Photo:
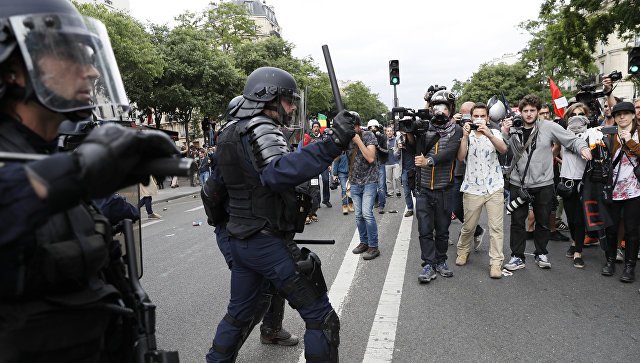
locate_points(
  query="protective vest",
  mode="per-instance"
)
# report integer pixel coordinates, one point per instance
(438, 177)
(253, 206)
(63, 257)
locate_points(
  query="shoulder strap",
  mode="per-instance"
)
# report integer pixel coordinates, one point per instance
(353, 157)
(517, 157)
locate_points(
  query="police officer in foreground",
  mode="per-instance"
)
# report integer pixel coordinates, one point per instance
(265, 212)
(55, 302)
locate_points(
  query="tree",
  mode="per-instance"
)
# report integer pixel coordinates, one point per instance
(360, 99)
(570, 30)
(197, 76)
(138, 59)
(229, 24)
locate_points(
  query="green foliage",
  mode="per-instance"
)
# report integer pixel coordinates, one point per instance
(320, 97)
(229, 25)
(137, 57)
(360, 99)
(570, 30)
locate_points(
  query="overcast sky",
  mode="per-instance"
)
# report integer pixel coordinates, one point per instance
(435, 41)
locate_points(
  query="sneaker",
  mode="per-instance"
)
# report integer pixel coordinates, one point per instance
(570, 251)
(444, 270)
(557, 236)
(280, 337)
(372, 252)
(360, 248)
(495, 272)
(427, 274)
(590, 241)
(477, 240)
(380, 210)
(314, 218)
(619, 255)
(350, 206)
(561, 226)
(578, 262)
(154, 215)
(461, 260)
(398, 194)
(515, 263)
(345, 211)
(328, 204)
(389, 195)
(543, 261)
(307, 221)
(409, 213)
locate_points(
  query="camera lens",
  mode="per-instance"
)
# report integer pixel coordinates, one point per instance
(515, 204)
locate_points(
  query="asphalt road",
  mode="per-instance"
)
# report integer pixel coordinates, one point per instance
(559, 314)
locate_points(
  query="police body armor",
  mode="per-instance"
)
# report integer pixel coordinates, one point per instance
(252, 206)
(52, 292)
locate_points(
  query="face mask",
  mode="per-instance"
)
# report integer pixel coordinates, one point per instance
(479, 121)
(577, 124)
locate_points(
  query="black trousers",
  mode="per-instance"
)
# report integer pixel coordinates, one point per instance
(575, 218)
(542, 204)
(629, 208)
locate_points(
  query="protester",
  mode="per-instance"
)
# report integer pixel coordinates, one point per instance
(626, 191)
(482, 186)
(317, 136)
(340, 168)
(382, 156)
(408, 164)
(392, 166)
(531, 177)
(147, 192)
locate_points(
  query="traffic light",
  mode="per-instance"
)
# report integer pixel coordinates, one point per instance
(394, 72)
(634, 60)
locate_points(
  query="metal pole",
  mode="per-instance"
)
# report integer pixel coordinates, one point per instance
(395, 96)
(544, 80)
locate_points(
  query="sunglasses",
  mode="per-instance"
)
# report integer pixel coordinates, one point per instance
(577, 114)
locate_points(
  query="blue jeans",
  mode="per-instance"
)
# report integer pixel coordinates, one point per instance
(407, 192)
(146, 201)
(343, 185)
(382, 186)
(256, 260)
(433, 214)
(363, 198)
(325, 185)
(203, 177)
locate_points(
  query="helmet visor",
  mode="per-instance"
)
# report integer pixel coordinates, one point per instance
(70, 63)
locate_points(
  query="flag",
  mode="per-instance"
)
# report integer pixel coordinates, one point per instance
(556, 95)
(149, 117)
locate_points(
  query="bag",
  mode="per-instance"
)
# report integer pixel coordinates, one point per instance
(348, 188)
(506, 173)
(565, 188)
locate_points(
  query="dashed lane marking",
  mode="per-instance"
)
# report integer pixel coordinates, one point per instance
(383, 331)
(150, 223)
(194, 209)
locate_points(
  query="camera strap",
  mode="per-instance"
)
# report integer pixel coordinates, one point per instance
(516, 158)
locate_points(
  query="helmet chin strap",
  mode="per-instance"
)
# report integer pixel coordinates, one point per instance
(283, 118)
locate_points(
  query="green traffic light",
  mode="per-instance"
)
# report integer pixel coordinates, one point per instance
(395, 80)
(633, 69)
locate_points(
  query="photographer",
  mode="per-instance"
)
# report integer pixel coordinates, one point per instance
(482, 185)
(435, 150)
(408, 164)
(531, 176)
(382, 156)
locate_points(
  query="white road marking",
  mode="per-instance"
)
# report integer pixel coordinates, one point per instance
(150, 223)
(383, 332)
(343, 281)
(196, 208)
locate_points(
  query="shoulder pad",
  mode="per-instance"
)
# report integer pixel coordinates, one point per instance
(265, 140)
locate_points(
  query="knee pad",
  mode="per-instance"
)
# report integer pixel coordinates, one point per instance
(330, 327)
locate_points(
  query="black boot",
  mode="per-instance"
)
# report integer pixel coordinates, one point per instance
(628, 273)
(271, 331)
(609, 267)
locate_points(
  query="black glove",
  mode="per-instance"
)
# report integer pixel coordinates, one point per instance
(106, 161)
(343, 129)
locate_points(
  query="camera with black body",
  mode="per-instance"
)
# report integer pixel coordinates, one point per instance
(517, 121)
(589, 96)
(431, 90)
(610, 130)
(522, 196)
(334, 184)
(410, 120)
(615, 76)
(466, 118)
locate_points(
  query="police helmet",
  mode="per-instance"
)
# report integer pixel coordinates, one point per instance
(55, 43)
(497, 110)
(233, 107)
(444, 97)
(265, 84)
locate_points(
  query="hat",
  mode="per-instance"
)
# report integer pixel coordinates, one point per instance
(372, 123)
(306, 140)
(316, 122)
(622, 106)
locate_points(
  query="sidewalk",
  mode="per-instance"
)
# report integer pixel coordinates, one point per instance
(169, 193)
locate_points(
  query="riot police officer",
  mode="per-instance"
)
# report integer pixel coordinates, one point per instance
(55, 302)
(265, 212)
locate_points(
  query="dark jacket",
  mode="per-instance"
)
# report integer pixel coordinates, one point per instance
(440, 175)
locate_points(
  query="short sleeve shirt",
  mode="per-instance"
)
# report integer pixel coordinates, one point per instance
(627, 185)
(484, 174)
(364, 172)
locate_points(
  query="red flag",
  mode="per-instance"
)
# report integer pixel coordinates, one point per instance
(149, 117)
(555, 94)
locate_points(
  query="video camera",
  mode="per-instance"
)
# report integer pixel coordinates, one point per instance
(410, 120)
(589, 96)
(431, 90)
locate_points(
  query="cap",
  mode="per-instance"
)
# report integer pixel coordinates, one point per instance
(622, 106)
